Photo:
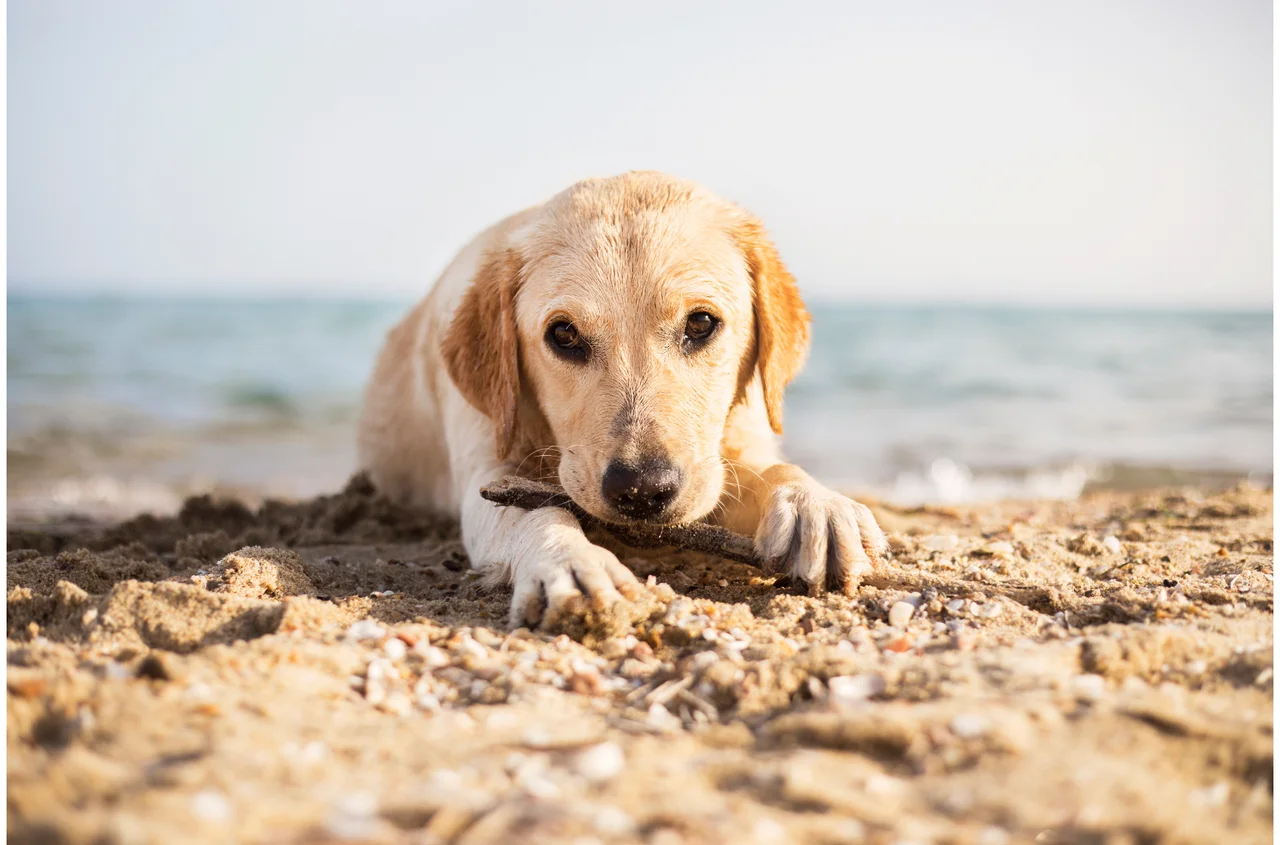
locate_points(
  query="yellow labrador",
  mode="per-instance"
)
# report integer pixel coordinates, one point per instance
(631, 337)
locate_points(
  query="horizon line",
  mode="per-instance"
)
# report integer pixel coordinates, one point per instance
(23, 292)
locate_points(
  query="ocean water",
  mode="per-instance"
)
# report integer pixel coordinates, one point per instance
(117, 405)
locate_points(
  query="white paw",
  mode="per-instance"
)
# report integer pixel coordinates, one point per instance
(817, 536)
(567, 579)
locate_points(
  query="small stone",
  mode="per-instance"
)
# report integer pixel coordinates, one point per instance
(993, 836)
(397, 704)
(610, 821)
(395, 648)
(613, 648)
(850, 689)
(353, 816)
(365, 629)
(433, 657)
(1089, 687)
(1211, 796)
(1111, 544)
(661, 717)
(767, 830)
(470, 648)
(633, 669)
(940, 542)
(539, 786)
(900, 614)
(211, 806)
(1002, 548)
(969, 725)
(955, 606)
(992, 609)
(600, 763)
(703, 660)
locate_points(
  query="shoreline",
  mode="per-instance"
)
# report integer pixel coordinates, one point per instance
(1098, 668)
(36, 499)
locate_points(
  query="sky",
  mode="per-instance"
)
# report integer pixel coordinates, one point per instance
(1090, 152)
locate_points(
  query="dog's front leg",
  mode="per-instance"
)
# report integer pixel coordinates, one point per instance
(554, 569)
(806, 530)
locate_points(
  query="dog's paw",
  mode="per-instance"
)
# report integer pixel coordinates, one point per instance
(570, 582)
(820, 537)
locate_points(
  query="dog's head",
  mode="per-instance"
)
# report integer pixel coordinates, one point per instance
(621, 323)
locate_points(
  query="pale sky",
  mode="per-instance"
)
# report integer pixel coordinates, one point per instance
(1084, 151)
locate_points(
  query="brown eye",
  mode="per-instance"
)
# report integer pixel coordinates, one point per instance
(564, 339)
(698, 329)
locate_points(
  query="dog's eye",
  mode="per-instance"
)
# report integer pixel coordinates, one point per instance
(698, 329)
(564, 338)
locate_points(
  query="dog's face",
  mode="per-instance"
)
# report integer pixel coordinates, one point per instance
(632, 314)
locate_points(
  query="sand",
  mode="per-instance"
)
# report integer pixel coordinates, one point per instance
(1092, 672)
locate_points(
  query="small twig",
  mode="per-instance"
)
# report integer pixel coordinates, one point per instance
(695, 537)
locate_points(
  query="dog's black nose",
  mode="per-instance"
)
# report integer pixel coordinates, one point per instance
(642, 492)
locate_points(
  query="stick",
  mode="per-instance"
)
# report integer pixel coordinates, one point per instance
(516, 492)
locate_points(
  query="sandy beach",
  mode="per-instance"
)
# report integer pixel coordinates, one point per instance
(1098, 671)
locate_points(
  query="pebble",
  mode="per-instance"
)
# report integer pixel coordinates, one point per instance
(198, 691)
(993, 836)
(611, 821)
(539, 786)
(397, 703)
(969, 725)
(353, 816)
(900, 614)
(1089, 687)
(766, 829)
(1111, 544)
(850, 689)
(940, 542)
(366, 629)
(210, 805)
(600, 763)
(1211, 796)
(433, 657)
(955, 606)
(661, 717)
(1001, 548)
(991, 610)
(395, 648)
(471, 648)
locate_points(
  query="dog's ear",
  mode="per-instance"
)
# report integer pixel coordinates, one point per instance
(782, 323)
(480, 347)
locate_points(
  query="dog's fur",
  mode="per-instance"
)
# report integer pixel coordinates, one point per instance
(469, 388)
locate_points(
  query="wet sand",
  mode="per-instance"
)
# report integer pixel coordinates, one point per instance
(1089, 672)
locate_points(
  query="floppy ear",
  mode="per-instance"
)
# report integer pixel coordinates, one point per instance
(782, 323)
(480, 347)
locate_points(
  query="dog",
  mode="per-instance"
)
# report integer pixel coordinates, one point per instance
(632, 338)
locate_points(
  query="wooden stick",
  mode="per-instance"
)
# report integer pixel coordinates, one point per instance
(516, 492)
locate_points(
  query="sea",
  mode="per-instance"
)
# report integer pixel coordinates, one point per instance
(119, 405)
